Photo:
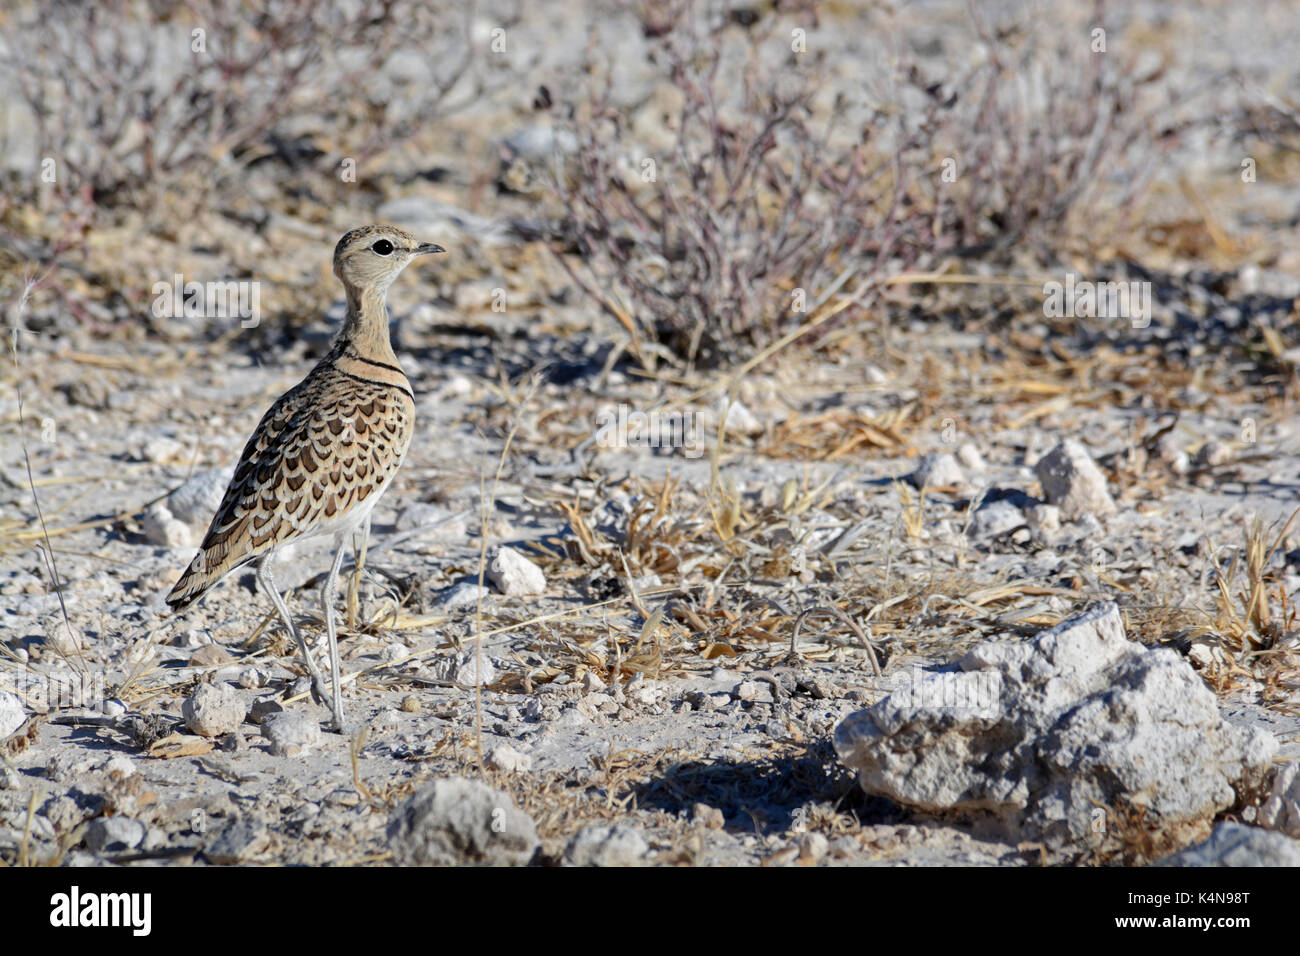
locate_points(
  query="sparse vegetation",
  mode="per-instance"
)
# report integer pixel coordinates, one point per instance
(767, 199)
(130, 104)
(829, 246)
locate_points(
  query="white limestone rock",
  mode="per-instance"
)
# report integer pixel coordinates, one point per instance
(606, 846)
(1072, 481)
(1233, 844)
(513, 574)
(214, 710)
(1038, 735)
(196, 501)
(12, 713)
(292, 733)
(939, 470)
(457, 821)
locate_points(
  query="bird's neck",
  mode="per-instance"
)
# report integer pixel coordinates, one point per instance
(366, 326)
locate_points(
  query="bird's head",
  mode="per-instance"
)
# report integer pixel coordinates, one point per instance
(370, 258)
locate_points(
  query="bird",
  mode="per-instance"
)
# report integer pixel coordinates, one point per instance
(324, 453)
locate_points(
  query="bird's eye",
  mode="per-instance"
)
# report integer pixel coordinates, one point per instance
(383, 247)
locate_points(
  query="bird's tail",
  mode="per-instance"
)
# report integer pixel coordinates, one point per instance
(209, 566)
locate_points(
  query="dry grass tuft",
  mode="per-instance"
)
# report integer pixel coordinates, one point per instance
(1253, 634)
(1133, 836)
(1254, 610)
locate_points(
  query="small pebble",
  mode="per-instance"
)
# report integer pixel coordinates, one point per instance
(291, 733)
(813, 848)
(161, 528)
(969, 457)
(1072, 481)
(120, 766)
(463, 596)
(1212, 454)
(515, 575)
(214, 710)
(710, 817)
(210, 655)
(161, 450)
(938, 470)
(506, 758)
(606, 846)
(114, 834)
(262, 708)
(237, 841)
(454, 820)
(1044, 519)
(463, 668)
(12, 714)
(195, 501)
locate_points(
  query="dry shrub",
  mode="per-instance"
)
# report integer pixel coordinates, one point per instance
(776, 190)
(724, 238)
(154, 116)
(129, 94)
(1046, 130)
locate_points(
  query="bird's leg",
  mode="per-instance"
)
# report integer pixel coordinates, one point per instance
(358, 565)
(327, 598)
(318, 691)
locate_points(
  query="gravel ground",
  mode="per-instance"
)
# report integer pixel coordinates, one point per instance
(654, 682)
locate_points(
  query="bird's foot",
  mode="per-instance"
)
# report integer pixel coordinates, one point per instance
(336, 725)
(320, 694)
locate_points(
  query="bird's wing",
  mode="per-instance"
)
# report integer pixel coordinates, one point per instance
(323, 448)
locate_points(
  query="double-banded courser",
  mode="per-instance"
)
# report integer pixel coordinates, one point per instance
(325, 452)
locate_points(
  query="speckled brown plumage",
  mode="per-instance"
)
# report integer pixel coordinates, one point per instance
(326, 450)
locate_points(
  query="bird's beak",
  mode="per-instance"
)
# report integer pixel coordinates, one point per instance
(424, 248)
